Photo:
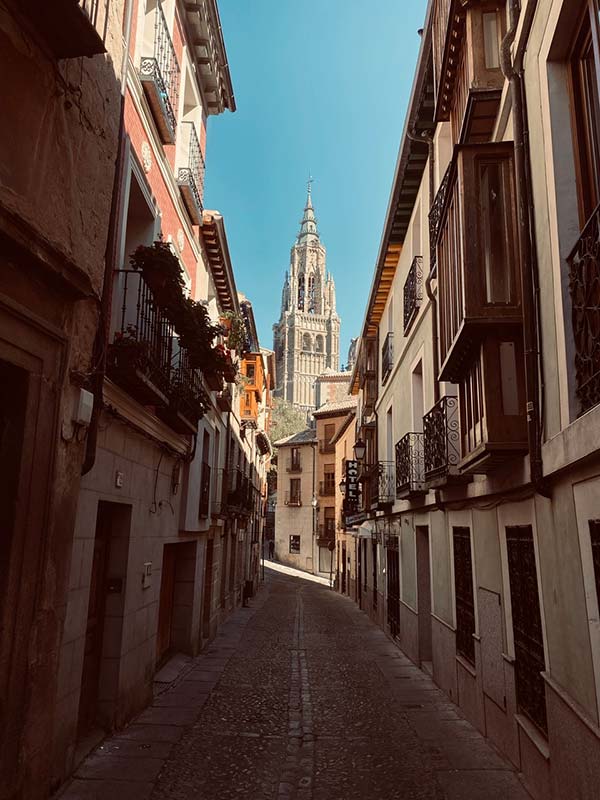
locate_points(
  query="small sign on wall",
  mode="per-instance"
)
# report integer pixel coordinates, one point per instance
(147, 575)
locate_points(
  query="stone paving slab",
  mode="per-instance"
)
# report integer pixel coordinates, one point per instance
(300, 697)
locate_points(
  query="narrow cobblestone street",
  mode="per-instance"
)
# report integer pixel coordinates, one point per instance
(300, 696)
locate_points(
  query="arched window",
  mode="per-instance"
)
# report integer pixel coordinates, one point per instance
(301, 293)
(311, 294)
(319, 344)
(306, 342)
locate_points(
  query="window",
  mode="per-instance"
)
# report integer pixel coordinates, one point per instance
(301, 293)
(294, 491)
(329, 531)
(329, 478)
(497, 252)
(491, 41)
(306, 343)
(595, 537)
(586, 112)
(205, 477)
(294, 543)
(295, 459)
(527, 625)
(250, 371)
(329, 433)
(463, 593)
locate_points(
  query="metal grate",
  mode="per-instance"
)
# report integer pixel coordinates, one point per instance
(527, 625)
(192, 174)
(435, 215)
(584, 285)
(463, 593)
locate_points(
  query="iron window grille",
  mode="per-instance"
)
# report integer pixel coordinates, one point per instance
(413, 292)
(441, 438)
(386, 482)
(527, 625)
(463, 593)
(595, 539)
(584, 279)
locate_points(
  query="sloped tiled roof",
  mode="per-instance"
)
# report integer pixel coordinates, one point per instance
(304, 437)
(336, 407)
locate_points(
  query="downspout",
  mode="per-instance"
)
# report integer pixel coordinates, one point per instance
(110, 261)
(513, 71)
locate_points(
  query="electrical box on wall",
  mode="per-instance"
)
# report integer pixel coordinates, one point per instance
(147, 575)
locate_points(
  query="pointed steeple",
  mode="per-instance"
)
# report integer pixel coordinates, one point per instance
(308, 227)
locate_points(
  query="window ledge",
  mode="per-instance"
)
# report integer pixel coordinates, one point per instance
(466, 665)
(534, 735)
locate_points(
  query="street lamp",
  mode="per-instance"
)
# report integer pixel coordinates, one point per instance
(342, 486)
(360, 448)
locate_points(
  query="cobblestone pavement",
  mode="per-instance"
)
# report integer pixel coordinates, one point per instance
(300, 697)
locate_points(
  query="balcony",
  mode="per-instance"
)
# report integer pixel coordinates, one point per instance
(326, 533)
(477, 254)
(369, 395)
(293, 499)
(187, 400)
(204, 491)
(190, 178)
(139, 359)
(326, 446)
(410, 466)
(387, 357)
(70, 28)
(584, 279)
(413, 292)
(327, 488)
(468, 77)
(368, 361)
(224, 400)
(378, 486)
(294, 465)
(159, 75)
(441, 443)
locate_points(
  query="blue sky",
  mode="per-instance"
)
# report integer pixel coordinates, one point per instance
(320, 86)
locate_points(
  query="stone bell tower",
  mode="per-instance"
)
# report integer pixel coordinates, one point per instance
(306, 339)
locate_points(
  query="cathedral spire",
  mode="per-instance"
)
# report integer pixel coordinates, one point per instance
(308, 227)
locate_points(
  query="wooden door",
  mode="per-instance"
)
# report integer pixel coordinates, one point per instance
(92, 657)
(165, 605)
(424, 593)
(359, 577)
(343, 569)
(393, 587)
(207, 595)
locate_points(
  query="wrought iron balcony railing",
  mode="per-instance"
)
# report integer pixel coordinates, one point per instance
(410, 477)
(159, 74)
(386, 483)
(413, 292)
(293, 499)
(326, 446)
(188, 400)
(141, 352)
(441, 439)
(436, 215)
(294, 465)
(387, 356)
(191, 177)
(584, 280)
(326, 532)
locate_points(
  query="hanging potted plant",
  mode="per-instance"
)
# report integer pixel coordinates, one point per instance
(161, 270)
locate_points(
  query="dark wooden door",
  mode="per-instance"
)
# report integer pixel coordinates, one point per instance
(393, 588)
(207, 596)
(343, 569)
(359, 577)
(424, 593)
(165, 605)
(94, 632)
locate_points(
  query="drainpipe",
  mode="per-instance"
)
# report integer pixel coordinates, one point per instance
(110, 262)
(513, 71)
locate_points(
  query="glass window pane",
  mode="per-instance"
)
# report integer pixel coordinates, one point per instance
(494, 240)
(490, 41)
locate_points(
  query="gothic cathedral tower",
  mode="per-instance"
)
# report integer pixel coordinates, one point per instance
(307, 336)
